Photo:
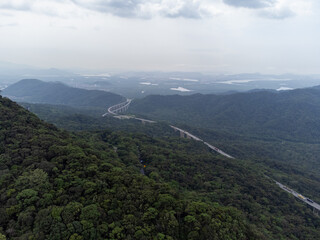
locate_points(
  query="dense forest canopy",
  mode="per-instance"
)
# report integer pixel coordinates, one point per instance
(289, 115)
(266, 126)
(55, 185)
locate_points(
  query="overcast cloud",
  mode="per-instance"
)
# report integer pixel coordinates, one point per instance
(251, 3)
(204, 35)
(147, 9)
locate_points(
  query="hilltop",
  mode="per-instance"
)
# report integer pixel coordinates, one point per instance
(57, 93)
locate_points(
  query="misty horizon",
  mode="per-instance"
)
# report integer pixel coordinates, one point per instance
(223, 36)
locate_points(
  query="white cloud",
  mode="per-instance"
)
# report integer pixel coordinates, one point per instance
(146, 9)
(57, 8)
(23, 5)
(277, 13)
(286, 8)
(250, 3)
(187, 9)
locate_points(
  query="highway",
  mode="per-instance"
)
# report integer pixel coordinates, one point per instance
(186, 133)
(121, 107)
(144, 120)
(189, 135)
(299, 196)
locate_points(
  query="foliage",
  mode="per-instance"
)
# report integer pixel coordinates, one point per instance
(278, 130)
(288, 115)
(54, 185)
(200, 175)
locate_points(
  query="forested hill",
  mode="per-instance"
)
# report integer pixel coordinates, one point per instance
(54, 185)
(57, 186)
(287, 114)
(36, 91)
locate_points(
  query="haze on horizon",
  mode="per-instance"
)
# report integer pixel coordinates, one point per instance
(230, 36)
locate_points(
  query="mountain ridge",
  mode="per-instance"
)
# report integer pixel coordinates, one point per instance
(282, 114)
(37, 91)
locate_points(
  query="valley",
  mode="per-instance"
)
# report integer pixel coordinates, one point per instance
(222, 176)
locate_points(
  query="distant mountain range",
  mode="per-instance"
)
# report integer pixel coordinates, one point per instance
(36, 91)
(10, 72)
(286, 114)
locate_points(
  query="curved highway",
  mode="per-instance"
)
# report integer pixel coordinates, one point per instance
(122, 107)
(118, 108)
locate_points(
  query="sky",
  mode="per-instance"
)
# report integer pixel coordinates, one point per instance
(222, 36)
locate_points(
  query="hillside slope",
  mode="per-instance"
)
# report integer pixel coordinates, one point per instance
(36, 91)
(57, 186)
(295, 164)
(203, 176)
(54, 185)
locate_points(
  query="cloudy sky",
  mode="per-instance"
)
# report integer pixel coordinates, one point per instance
(232, 36)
